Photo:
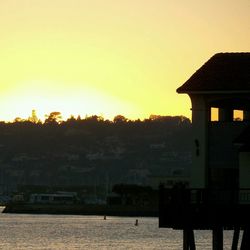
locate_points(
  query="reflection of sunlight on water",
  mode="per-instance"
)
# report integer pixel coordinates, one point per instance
(23, 231)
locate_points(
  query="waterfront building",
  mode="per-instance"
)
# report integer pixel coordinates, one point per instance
(219, 193)
(53, 198)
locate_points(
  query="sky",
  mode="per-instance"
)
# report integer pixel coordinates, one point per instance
(110, 57)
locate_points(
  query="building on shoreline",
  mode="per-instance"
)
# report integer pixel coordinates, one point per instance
(219, 193)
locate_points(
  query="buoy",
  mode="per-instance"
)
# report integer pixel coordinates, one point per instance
(136, 222)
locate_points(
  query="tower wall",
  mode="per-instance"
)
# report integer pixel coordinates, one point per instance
(200, 117)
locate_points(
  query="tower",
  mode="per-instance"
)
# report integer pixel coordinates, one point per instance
(223, 83)
(219, 194)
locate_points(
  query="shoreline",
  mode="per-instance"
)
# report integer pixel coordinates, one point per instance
(79, 209)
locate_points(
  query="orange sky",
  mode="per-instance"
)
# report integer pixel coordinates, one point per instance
(110, 57)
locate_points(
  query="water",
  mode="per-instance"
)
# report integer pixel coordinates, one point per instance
(25, 231)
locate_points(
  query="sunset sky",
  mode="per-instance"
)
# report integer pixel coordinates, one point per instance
(109, 57)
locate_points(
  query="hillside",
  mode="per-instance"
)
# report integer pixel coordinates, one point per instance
(93, 151)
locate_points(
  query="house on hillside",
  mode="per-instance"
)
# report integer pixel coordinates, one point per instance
(219, 194)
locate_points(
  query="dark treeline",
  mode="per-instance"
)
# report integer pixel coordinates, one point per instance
(92, 151)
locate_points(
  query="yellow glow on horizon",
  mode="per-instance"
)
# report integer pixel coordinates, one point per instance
(69, 99)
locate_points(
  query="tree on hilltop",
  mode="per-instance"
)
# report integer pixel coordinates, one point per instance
(53, 117)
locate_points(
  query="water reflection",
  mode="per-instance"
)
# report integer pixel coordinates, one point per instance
(23, 231)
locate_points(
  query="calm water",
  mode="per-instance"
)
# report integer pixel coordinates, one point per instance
(23, 231)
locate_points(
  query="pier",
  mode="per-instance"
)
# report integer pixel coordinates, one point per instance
(206, 209)
(218, 197)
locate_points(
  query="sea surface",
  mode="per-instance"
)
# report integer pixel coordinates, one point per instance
(26, 231)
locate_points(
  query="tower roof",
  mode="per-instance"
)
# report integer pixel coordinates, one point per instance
(224, 72)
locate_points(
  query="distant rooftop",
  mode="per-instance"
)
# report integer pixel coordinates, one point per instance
(224, 72)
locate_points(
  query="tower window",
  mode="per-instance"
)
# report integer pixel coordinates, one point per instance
(214, 114)
(238, 115)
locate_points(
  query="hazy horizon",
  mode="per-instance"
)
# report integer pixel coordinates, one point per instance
(33, 114)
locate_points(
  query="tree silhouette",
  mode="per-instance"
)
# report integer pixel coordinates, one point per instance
(53, 117)
(120, 119)
(18, 119)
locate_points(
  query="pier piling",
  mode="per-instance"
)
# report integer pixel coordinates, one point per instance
(188, 239)
(245, 243)
(236, 236)
(218, 238)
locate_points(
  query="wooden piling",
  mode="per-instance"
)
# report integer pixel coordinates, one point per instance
(236, 236)
(188, 239)
(218, 238)
(245, 243)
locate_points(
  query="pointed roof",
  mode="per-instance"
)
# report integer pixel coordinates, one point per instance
(223, 73)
